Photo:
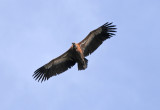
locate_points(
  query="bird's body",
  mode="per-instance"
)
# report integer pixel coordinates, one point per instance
(76, 53)
(79, 57)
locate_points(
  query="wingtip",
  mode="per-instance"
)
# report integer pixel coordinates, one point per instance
(39, 75)
(109, 29)
(107, 24)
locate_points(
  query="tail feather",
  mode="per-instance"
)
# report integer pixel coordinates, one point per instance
(83, 66)
(86, 62)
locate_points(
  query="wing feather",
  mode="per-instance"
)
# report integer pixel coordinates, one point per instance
(55, 66)
(96, 38)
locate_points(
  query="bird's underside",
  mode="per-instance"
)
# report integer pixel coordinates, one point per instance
(76, 53)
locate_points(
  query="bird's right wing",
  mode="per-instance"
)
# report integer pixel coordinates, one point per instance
(96, 37)
(55, 66)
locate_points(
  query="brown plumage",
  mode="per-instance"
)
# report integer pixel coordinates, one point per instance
(76, 53)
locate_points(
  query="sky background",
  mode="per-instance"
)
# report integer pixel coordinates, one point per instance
(123, 73)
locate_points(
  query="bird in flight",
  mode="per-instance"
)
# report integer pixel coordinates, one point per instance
(76, 53)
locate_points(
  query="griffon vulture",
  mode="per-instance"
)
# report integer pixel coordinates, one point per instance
(76, 53)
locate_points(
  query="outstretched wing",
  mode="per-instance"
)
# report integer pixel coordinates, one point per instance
(96, 38)
(55, 66)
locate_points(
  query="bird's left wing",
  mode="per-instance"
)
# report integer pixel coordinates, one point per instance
(96, 38)
(55, 66)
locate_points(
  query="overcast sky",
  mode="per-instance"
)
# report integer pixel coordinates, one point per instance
(122, 74)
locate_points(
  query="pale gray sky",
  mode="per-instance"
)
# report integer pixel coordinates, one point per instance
(123, 74)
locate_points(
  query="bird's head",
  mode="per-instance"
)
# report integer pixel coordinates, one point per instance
(74, 45)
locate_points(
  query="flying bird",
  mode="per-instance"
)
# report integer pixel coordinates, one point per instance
(76, 53)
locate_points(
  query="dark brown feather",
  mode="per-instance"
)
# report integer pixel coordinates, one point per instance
(55, 67)
(96, 38)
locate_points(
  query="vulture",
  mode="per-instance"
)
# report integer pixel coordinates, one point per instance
(76, 53)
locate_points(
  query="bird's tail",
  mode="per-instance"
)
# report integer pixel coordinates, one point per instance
(83, 66)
